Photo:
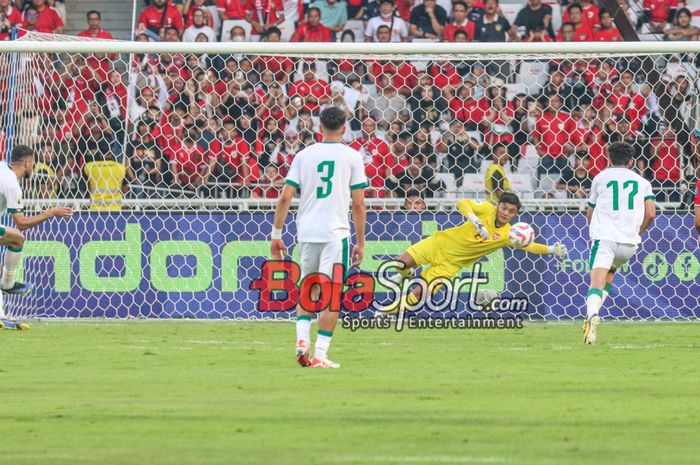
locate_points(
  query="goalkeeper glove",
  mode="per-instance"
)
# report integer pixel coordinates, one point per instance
(480, 228)
(558, 249)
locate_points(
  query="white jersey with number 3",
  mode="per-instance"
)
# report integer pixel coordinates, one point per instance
(617, 198)
(325, 173)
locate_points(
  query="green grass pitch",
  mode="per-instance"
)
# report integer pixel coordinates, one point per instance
(229, 393)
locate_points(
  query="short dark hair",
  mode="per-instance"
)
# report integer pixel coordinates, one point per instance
(93, 12)
(382, 27)
(568, 24)
(273, 30)
(574, 5)
(20, 153)
(460, 32)
(413, 193)
(318, 10)
(332, 118)
(602, 12)
(620, 153)
(510, 198)
(459, 2)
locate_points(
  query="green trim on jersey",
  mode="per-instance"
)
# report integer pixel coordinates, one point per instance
(2, 231)
(15, 210)
(594, 251)
(291, 183)
(592, 205)
(361, 185)
(345, 257)
(650, 197)
(16, 250)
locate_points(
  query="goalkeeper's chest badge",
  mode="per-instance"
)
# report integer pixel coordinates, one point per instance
(496, 236)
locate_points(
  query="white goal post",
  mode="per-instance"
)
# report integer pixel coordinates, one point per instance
(195, 137)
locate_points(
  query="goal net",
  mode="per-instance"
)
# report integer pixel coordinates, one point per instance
(173, 162)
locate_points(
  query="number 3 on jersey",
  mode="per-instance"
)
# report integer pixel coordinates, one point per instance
(326, 168)
(616, 193)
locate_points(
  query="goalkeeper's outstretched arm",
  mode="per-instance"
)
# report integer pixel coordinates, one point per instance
(557, 249)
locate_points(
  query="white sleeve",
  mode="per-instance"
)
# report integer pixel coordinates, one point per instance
(294, 174)
(404, 29)
(369, 32)
(358, 178)
(593, 197)
(14, 199)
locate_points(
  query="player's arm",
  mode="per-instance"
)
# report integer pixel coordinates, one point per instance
(277, 249)
(557, 249)
(291, 184)
(359, 219)
(592, 199)
(471, 210)
(358, 184)
(25, 222)
(650, 214)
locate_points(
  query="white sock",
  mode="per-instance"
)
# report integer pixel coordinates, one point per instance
(9, 271)
(2, 307)
(606, 293)
(304, 328)
(323, 342)
(593, 302)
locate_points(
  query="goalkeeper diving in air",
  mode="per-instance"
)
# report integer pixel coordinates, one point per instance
(20, 167)
(447, 252)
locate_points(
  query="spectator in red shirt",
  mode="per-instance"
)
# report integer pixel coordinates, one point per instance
(94, 30)
(627, 102)
(567, 33)
(607, 32)
(9, 17)
(190, 164)
(159, 15)
(312, 30)
(281, 66)
(658, 12)
(552, 136)
(313, 92)
(460, 23)
(232, 153)
(590, 15)
(198, 5)
(582, 32)
(270, 14)
(232, 9)
(380, 163)
(666, 166)
(467, 109)
(270, 184)
(48, 21)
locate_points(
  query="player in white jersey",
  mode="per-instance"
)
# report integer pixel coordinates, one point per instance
(328, 175)
(21, 166)
(620, 208)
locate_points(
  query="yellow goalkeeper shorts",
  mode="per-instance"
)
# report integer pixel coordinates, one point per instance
(426, 252)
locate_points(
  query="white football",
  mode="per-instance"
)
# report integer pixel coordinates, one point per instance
(521, 235)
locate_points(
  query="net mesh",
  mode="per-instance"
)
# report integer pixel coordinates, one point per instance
(173, 163)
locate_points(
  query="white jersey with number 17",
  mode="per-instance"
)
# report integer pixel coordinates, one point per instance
(617, 198)
(325, 173)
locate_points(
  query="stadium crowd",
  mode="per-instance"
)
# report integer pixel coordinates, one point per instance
(229, 126)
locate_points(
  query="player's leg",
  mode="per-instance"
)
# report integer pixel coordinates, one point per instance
(332, 253)
(421, 253)
(309, 255)
(602, 256)
(14, 240)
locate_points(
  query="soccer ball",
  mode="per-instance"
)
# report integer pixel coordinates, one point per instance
(521, 235)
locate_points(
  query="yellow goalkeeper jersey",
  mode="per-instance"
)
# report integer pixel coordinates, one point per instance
(462, 245)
